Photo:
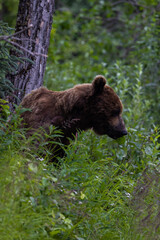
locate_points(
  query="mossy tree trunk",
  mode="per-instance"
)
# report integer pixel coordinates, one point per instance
(36, 17)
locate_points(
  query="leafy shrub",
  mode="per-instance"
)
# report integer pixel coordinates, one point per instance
(7, 63)
(90, 196)
(103, 189)
(94, 191)
(89, 38)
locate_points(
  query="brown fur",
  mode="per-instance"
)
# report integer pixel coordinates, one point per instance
(82, 107)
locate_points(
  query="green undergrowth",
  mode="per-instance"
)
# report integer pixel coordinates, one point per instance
(100, 190)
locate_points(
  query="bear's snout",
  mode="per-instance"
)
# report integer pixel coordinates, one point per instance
(124, 132)
(117, 134)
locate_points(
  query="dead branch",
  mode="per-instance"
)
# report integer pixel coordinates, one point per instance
(12, 37)
(16, 33)
(24, 49)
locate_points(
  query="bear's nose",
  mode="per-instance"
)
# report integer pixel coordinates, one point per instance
(124, 132)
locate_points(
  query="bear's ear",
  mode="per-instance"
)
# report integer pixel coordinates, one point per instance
(98, 84)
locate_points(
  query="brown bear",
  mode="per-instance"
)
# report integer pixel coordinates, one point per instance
(85, 106)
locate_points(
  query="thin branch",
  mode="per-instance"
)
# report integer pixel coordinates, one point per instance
(23, 30)
(23, 39)
(26, 39)
(12, 37)
(4, 38)
(25, 50)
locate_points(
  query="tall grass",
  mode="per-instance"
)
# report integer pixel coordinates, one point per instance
(103, 189)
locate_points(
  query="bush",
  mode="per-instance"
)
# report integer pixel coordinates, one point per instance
(95, 191)
(102, 189)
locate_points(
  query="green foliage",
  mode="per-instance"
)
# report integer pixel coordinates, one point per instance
(88, 38)
(95, 192)
(146, 194)
(8, 9)
(103, 189)
(90, 196)
(8, 63)
(4, 109)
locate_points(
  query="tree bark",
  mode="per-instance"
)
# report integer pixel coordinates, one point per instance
(39, 15)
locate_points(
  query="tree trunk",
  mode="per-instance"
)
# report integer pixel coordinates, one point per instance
(35, 39)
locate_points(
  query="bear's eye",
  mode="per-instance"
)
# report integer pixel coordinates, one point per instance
(116, 112)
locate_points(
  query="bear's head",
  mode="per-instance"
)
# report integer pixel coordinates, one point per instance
(106, 110)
